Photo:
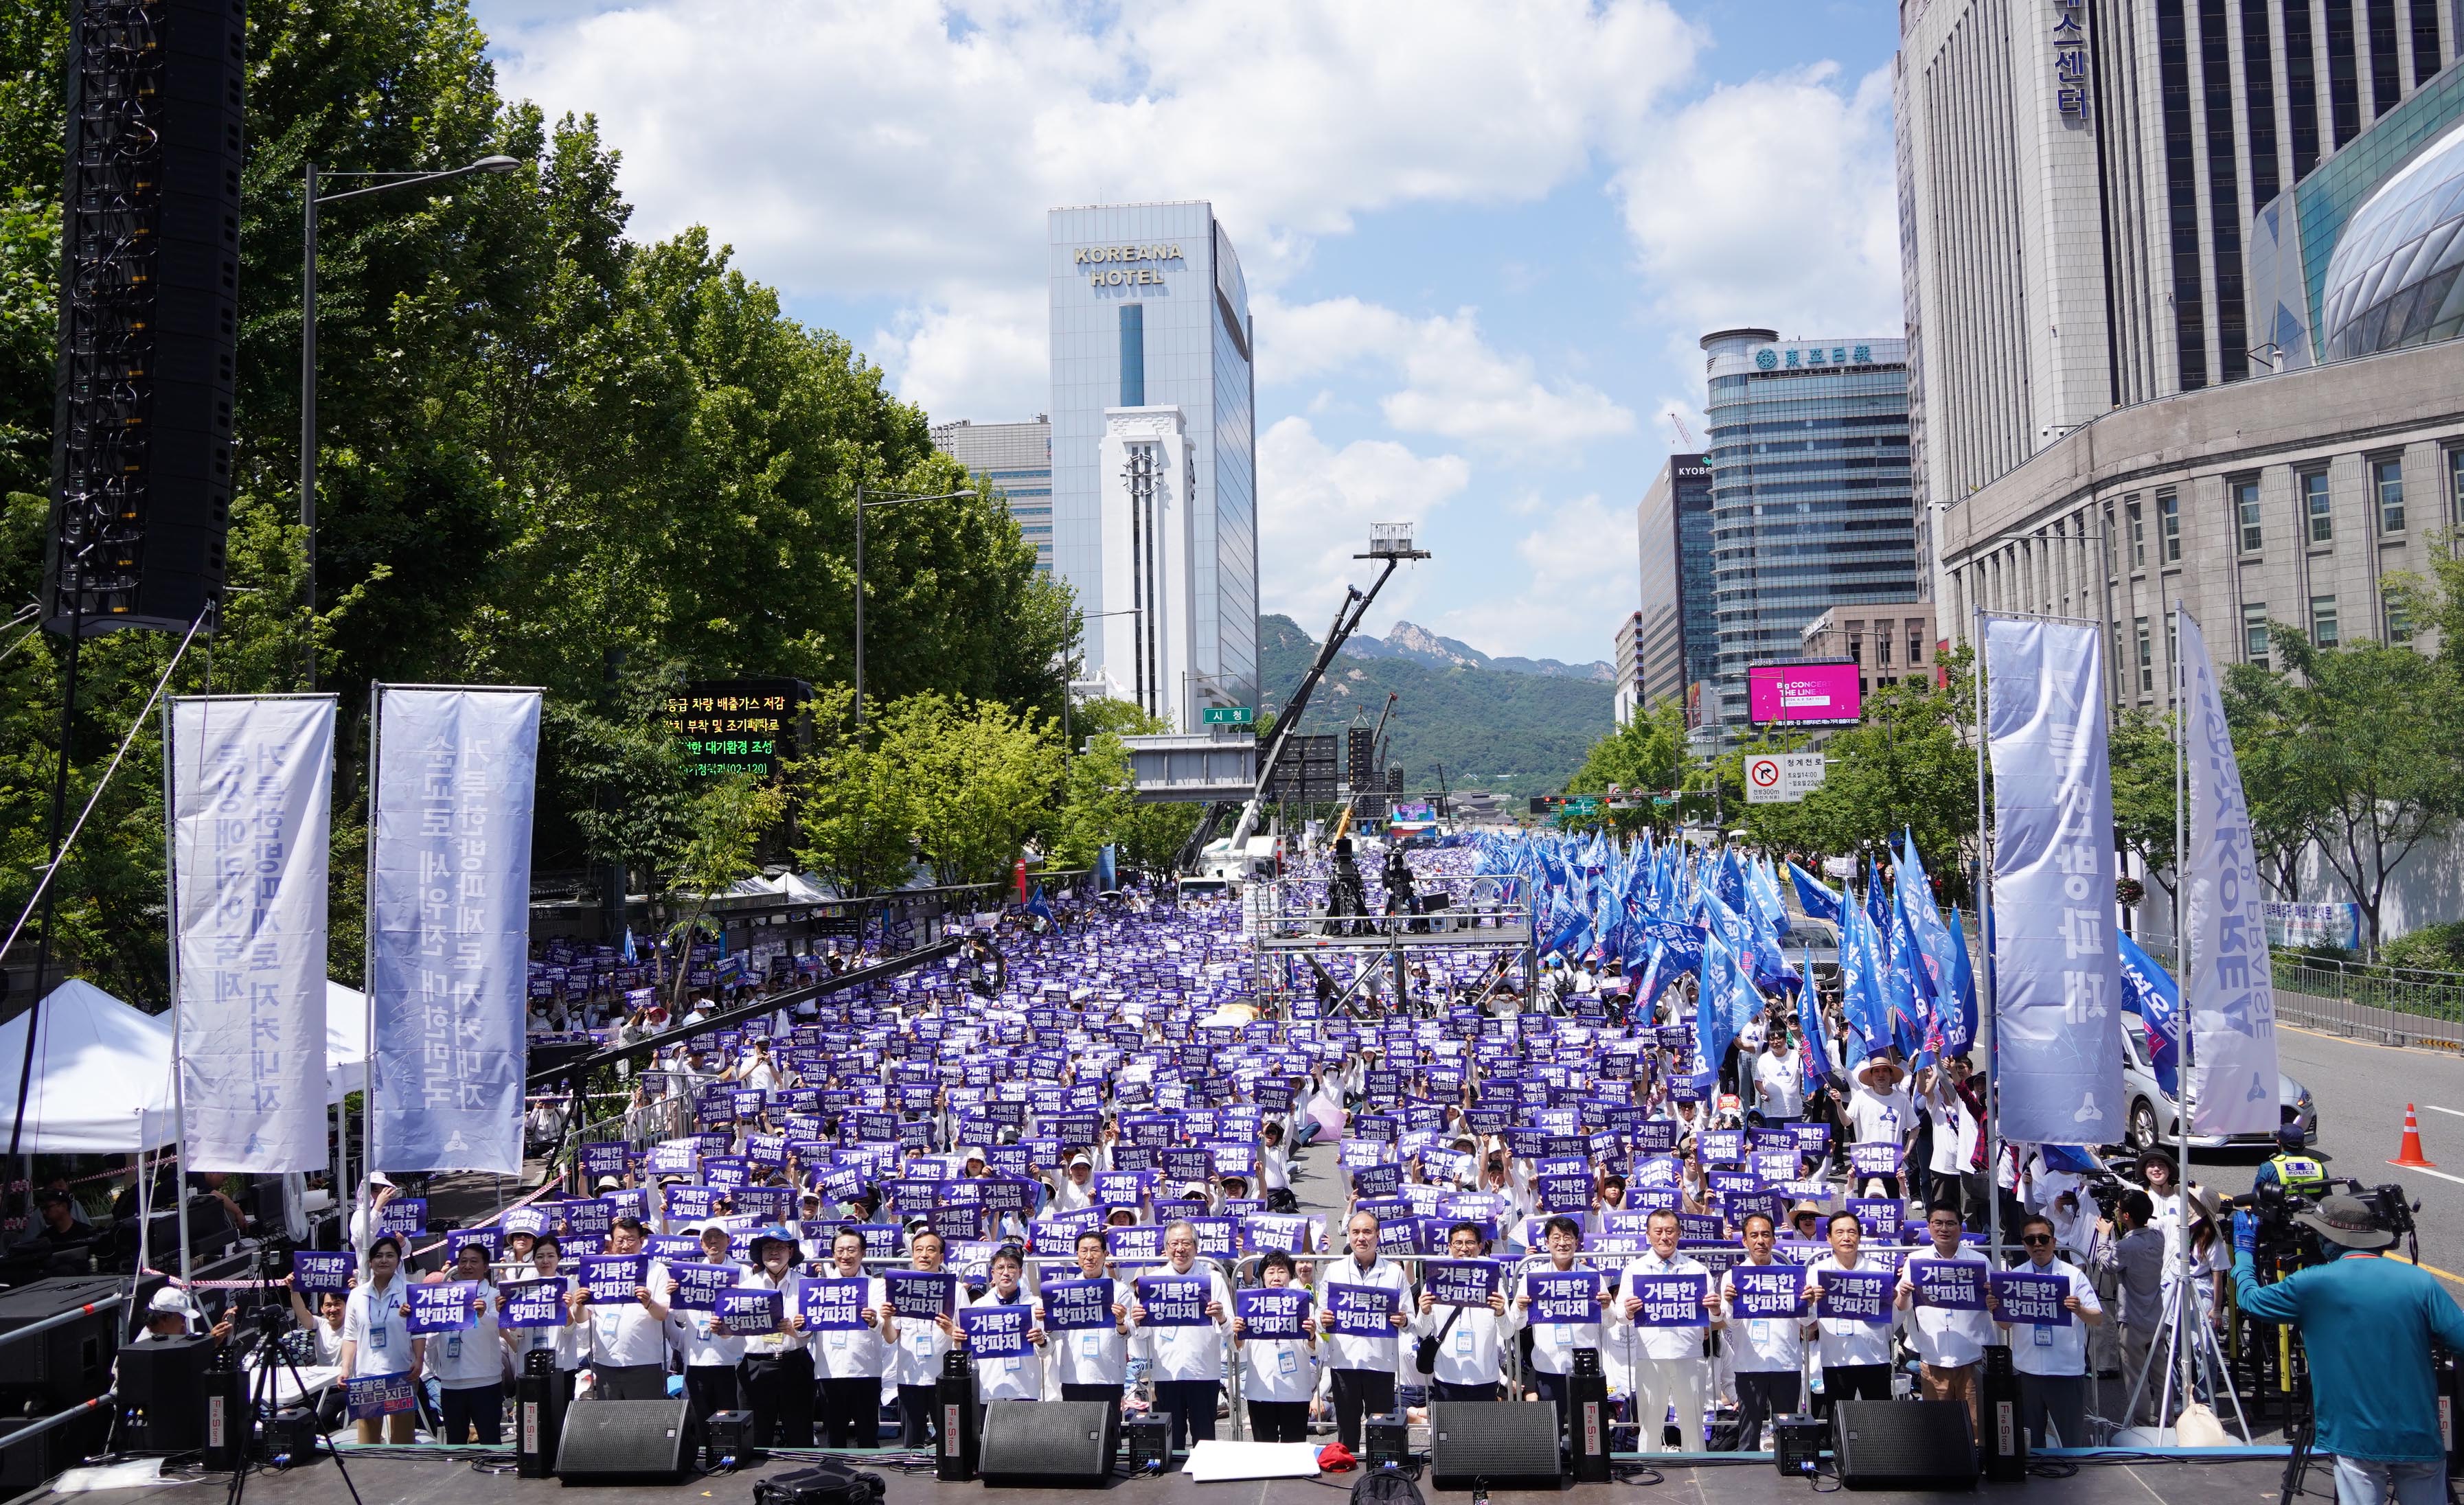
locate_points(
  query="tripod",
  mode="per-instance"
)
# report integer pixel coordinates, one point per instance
(261, 1397)
(2199, 1361)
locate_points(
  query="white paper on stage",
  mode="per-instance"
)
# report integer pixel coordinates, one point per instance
(2229, 990)
(1218, 1459)
(252, 798)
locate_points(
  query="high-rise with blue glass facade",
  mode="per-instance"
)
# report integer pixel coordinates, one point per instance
(1810, 505)
(1154, 513)
(1017, 458)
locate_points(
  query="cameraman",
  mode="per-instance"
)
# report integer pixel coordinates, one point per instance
(2367, 1323)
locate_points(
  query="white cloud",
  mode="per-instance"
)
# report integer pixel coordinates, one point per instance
(1771, 202)
(1579, 567)
(983, 359)
(1455, 384)
(1314, 507)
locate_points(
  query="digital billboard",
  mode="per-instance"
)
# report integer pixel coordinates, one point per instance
(1816, 693)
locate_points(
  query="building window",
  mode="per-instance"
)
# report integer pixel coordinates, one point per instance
(2399, 623)
(2146, 656)
(1856, 648)
(2387, 484)
(2173, 646)
(2315, 506)
(1133, 355)
(1881, 648)
(2246, 514)
(2322, 621)
(1916, 646)
(2302, 88)
(2253, 633)
(2455, 486)
(2168, 514)
(2139, 525)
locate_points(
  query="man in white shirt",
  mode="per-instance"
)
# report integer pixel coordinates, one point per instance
(1186, 1362)
(1360, 1367)
(1856, 1354)
(1012, 1377)
(1669, 1368)
(1092, 1362)
(712, 1355)
(1470, 1338)
(1779, 1087)
(1554, 1344)
(1766, 1353)
(918, 1368)
(1951, 1341)
(1881, 1112)
(628, 1340)
(850, 1362)
(2053, 1360)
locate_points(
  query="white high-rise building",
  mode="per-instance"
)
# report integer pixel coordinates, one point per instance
(1154, 514)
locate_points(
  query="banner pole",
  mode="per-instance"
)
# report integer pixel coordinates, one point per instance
(2182, 1098)
(1990, 1021)
(369, 1162)
(179, 1015)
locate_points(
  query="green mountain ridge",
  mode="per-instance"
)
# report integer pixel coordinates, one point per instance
(1515, 734)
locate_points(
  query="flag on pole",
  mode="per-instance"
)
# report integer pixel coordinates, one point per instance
(2224, 917)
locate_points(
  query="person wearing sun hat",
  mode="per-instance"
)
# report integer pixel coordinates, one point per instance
(1880, 1111)
(2367, 1323)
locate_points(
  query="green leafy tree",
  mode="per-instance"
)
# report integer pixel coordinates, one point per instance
(1643, 757)
(2139, 748)
(977, 779)
(729, 819)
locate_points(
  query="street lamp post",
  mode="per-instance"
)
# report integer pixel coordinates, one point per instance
(862, 506)
(308, 344)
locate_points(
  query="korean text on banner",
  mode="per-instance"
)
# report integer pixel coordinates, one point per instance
(2055, 978)
(251, 800)
(2230, 985)
(448, 933)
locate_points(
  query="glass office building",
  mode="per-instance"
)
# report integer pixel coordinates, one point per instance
(1680, 636)
(1809, 504)
(1151, 335)
(1017, 459)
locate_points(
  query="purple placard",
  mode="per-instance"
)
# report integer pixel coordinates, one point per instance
(1856, 1296)
(1564, 1193)
(1878, 1216)
(1773, 1289)
(612, 1278)
(403, 1217)
(1563, 1295)
(698, 1285)
(1362, 1311)
(1669, 1301)
(533, 1304)
(2027, 1300)
(1077, 1305)
(996, 1331)
(1270, 1312)
(379, 1395)
(1461, 1283)
(1174, 1301)
(1876, 1158)
(441, 1308)
(1956, 1285)
(490, 1239)
(317, 1273)
(924, 1293)
(749, 1311)
(834, 1304)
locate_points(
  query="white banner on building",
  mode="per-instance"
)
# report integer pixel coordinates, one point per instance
(2057, 981)
(2229, 989)
(251, 781)
(449, 925)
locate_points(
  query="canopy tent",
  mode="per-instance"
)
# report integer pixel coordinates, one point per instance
(98, 1064)
(346, 1041)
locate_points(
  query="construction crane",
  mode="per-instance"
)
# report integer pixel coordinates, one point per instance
(1685, 435)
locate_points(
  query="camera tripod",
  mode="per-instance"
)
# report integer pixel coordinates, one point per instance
(267, 1319)
(2199, 1362)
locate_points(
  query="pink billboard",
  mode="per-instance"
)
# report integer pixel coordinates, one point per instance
(1820, 692)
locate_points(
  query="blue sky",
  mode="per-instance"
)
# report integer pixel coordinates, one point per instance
(1481, 236)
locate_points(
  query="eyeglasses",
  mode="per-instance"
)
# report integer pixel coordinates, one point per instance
(2032, 1240)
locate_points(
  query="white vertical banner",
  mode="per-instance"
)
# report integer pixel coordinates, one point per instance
(2057, 1051)
(2229, 982)
(250, 784)
(449, 925)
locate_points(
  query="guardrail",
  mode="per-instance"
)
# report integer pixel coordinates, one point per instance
(2396, 1005)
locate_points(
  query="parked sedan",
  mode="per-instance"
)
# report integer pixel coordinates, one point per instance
(2154, 1116)
(1818, 936)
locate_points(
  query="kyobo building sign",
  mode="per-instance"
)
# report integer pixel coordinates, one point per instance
(1775, 357)
(1124, 265)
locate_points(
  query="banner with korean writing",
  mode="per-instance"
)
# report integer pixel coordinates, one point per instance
(1955, 1284)
(1073, 1305)
(1172, 1300)
(248, 830)
(2229, 986)
(449, 925)
(533, 1303)
(698, 1285)
(1563, 1295)
(834, 1304)
(2030, 1301)
(1362, 1311)
(379, 1395)
(611, 1280)
(919, 1294)
(749, 1311)
(1669, 1301)
(1461, 1283)
(313, 1273)
(1270, 1312)
(1856, 1296)
(441, 1308)
(2058, 1051)
(997, 1331)
(1773, 1289)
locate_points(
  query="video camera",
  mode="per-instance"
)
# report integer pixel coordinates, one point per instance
(2285, 1244)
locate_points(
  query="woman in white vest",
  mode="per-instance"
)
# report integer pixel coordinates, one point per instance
(376, 1336)
(469, 1367)
(1278, 1375)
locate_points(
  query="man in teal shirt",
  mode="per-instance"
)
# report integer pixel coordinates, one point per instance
(2367, 1323)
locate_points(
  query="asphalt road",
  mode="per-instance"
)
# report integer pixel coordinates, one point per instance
(2361, 1090)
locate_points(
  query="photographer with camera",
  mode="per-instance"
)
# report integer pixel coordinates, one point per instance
(2367, 1323)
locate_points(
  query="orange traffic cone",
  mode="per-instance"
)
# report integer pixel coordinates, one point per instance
(2410, 1156)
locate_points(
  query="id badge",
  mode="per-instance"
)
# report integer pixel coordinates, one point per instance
(1287, 1363)
(838, 1336)
(1759, 1329)
(376, 1336)
(701, 1328)
(454, 1346)
(1464, 1344)
(2044, 1338)
(1091, 1345)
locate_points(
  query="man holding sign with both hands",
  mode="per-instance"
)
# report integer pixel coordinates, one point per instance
(1944, 1294)
(1360, 1309)
(1761, 1296)
(2042, 1306)
(1563, 1304)
(1669, 1302)
(1184, 1313)
(1463, 1308)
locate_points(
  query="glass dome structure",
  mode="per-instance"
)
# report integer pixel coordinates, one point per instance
(2394, 277)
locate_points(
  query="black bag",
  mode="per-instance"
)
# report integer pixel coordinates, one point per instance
(832, 1481)
(1385, 1487)
(1426, 1354)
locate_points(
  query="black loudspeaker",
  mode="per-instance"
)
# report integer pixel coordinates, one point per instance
(149, 315)
(1587, 1417)
(1386, 1441)
(1796, 1444)
(625, 1442)
(231, 1427)
(1502, 1444)
(727, 1441)
(163, 1394)
(1903, 1445)
(1053, 1444)
(1150, 1440)
(2005, 1440)
(541, 1392)
(954, 1402)
(70, 1362)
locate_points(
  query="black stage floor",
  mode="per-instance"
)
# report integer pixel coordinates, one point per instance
(2227, 1477)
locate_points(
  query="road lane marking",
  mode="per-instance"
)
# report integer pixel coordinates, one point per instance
(2436, 1108)
(2442, 1274)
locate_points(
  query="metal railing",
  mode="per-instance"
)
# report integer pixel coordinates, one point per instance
(2398, 1004)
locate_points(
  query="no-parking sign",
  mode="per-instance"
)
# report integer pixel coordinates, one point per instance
(1782, 778)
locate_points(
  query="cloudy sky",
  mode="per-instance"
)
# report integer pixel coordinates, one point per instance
(1481, 236)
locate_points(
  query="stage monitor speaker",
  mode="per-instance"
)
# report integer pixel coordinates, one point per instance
(163, 1394)
(1052, 1445)
(70, 1362)
(1503, 1445)
(625, 1442)
(149, 313)
(1903, 1445)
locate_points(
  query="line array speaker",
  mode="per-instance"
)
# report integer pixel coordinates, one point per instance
(149, 315)
(617, 1442)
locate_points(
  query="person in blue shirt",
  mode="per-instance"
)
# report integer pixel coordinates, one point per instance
(2367, 1323)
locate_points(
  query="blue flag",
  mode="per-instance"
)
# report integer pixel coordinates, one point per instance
(1105, 869)
(1037, 906)
(1816, 901)
(1712, 1026)
(1861, 983)
(2151, 993)
(1958, 1011)
(1809, 1023)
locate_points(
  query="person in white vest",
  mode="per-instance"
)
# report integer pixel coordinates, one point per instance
(1470, 1338)
(1554, 1344)
(916, 1367)
(1092, 1363)
(1009, 1377)
(376, 1336)
(850, 1362)
(1278, 1375)
(711, 1354)
(1669, 1366)
(1767, 1353)
(1186, 1362)
(469, 1367)
(570, 1343)
(1360, 1367)
(629, 1339)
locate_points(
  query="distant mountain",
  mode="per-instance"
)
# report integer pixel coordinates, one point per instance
(1420, 646)
(1515, 731)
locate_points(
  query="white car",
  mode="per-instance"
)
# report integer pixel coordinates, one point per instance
(2155, 1118)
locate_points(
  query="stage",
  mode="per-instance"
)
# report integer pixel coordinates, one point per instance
(406, 1476)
